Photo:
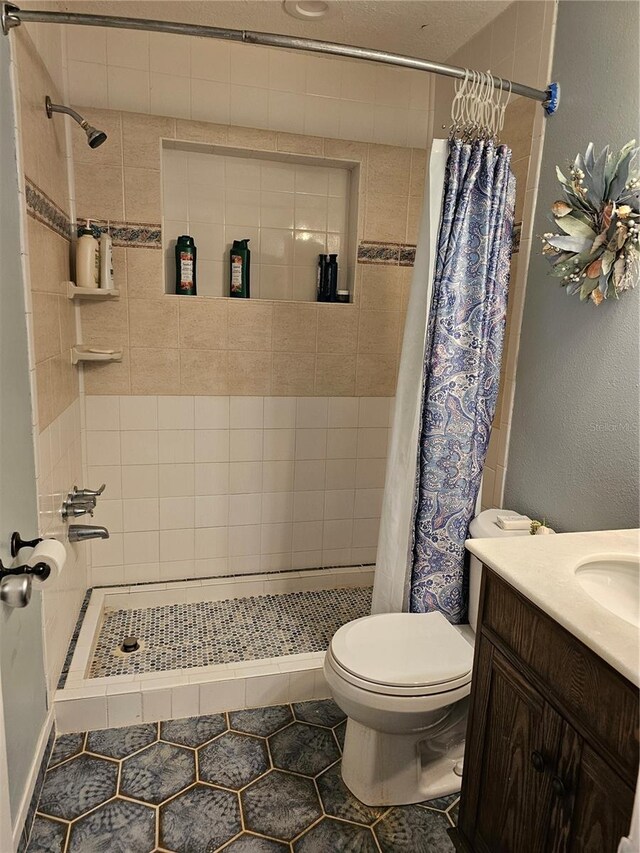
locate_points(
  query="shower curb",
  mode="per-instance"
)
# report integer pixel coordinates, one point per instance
(96, 703)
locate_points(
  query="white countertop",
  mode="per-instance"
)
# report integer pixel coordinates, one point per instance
(542, 569)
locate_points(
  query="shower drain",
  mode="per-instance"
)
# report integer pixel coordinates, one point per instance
(128, 645)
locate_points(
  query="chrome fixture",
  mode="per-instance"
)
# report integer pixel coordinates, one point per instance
(74, 508)
(82, 532)
(94, 137)
(81, 501)
(11, 16)
(88, 493)
(15, 591)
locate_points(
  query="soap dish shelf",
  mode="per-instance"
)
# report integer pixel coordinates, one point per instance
(96, 293)
(85, 353)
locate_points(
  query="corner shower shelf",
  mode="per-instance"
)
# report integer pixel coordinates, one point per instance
(97, 293)
(84, 353)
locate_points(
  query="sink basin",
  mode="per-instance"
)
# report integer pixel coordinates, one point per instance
(613, 580)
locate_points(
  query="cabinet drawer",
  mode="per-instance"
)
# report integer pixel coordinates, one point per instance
(598, 701)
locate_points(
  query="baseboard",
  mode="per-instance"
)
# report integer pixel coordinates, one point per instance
(35, 777)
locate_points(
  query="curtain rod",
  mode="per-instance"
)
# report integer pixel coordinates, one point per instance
(12, 16)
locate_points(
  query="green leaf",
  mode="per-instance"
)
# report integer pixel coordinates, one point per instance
(569, 243)
(588, 285)
(595, 181)
(618, 170)
(607, 262)
(575, 227)
(561, 177)
(588, 157)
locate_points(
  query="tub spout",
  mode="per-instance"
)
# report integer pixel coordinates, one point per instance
(82, 532)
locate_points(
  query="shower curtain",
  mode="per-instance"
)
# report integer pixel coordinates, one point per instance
(421, 552)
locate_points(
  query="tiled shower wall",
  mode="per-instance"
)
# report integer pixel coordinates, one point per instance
(47, 213)
(213, 485)
(290, 212)
(248, 85)
(203, 345)
(315, 504)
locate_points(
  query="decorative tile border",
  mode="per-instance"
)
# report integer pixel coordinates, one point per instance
(129, 235)
(391, 254)
(74, 640)
(46, 211)
(407, 256)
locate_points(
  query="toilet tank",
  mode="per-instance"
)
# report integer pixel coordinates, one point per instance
(484, 526)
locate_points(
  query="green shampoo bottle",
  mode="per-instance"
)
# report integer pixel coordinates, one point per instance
(240, 269)
(186, 255)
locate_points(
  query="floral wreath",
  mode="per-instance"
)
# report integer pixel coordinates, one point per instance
(598, 253)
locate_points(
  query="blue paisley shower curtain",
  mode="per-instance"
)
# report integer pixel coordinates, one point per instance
(461, 368)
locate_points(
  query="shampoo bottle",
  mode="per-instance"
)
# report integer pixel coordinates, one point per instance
(323, 278)
(240, 269)
(106, 262)
(186, 256)
(320, 282)
(87, 258)
(332, 279)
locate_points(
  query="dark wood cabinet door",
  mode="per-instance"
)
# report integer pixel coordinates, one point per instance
(593, 811)
(513, 739)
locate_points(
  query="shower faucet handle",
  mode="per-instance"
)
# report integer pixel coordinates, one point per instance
(75, 506)
(76, 510)
(88, 493)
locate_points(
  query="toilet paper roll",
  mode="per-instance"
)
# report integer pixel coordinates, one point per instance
(51, 552)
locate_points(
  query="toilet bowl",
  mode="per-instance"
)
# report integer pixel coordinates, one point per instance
(403, 680)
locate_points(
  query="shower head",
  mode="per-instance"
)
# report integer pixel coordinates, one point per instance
(94, 137)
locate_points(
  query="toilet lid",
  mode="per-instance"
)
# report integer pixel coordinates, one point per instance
(404, 650)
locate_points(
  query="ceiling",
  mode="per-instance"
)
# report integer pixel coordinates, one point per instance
(430, 29)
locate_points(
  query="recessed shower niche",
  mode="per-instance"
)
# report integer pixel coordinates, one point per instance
(291, 208)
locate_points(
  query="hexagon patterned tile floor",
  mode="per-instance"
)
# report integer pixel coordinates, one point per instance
(260, 781)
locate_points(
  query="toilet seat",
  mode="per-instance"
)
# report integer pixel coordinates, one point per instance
(402, 654)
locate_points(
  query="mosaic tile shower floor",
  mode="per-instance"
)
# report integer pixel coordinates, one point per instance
(260, 781)
(180, 636)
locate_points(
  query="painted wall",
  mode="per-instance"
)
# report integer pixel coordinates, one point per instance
(23, 689)
(574, 446)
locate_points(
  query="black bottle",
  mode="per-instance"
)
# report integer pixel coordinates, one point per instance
(332, 279)
(321, 279)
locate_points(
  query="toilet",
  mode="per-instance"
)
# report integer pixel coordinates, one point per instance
(403, 680)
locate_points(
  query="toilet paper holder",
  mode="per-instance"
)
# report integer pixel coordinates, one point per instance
(40, 570)
(17, 542)
(15, 582)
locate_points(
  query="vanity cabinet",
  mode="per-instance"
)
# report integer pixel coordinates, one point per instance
(551, 757)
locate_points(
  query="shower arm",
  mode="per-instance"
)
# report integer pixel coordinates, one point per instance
(67, 111)
(12, 16)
